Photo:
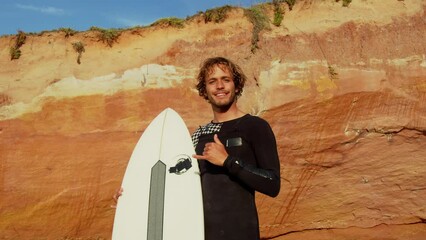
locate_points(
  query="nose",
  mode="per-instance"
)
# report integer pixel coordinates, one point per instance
(219, 84)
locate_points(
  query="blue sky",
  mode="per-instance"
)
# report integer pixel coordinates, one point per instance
(39, 15)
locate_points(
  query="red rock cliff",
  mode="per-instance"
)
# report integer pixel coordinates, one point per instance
(344, 89)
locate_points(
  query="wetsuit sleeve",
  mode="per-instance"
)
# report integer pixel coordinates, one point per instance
(265, 175)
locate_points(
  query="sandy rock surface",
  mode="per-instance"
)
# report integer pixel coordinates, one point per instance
(344, 89)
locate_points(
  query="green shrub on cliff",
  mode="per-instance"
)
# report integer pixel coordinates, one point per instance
(260, 22)
(79, 48)
(290, 3)
(20, 39)
(170, 22)
(108, 36)
(15, 52)
(217, 15)
(345, 3)
(68, 31)
(278, 13)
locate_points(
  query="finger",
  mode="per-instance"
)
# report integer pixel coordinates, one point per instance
(118, 194)
(200, 157)
(216, 139)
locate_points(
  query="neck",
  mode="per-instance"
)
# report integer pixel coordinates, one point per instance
(226, 114)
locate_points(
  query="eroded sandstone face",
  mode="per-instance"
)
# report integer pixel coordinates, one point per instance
(344, 90)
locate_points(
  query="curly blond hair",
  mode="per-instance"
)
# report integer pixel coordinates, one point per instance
(206, 68)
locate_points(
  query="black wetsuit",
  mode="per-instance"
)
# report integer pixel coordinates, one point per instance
(229, 191)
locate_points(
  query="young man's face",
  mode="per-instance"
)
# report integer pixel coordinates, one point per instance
(220, 87)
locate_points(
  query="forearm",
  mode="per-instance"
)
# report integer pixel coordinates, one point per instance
(266, 181)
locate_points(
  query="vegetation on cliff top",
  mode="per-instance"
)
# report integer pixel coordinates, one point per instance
(256, 14)
(68, 31)
(218, 14)
(108, 36)
(170, 22)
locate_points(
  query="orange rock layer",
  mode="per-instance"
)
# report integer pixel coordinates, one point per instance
(344, 90)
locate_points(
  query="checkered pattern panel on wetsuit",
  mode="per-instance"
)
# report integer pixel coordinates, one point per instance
(207, 129)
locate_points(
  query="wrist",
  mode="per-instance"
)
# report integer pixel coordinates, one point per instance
(227, 161)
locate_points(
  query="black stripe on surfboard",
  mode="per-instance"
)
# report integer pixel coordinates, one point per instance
(156, 194)
(156, 201)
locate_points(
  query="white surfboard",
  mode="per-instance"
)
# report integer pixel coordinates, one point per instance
(162, 197)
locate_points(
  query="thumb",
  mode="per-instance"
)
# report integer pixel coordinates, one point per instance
(216, 139)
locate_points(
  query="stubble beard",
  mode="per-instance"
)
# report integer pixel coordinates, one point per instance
(222, 106)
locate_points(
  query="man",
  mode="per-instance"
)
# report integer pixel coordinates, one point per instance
(237, 155)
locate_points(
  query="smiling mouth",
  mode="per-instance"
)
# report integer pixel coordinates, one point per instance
(220, 94)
